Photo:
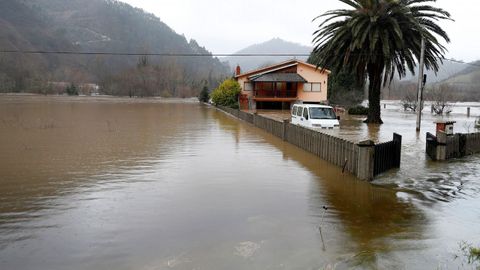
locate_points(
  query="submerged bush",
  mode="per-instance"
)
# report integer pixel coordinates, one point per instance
(471, 252)
(358, 110)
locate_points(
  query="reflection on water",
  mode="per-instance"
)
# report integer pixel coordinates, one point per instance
(116, 183)
(371, 216)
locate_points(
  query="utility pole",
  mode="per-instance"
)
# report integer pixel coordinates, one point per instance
(420, 85)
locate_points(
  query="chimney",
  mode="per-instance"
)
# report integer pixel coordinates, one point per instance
(238, 70)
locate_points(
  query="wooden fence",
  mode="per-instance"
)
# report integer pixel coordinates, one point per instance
(271, 126)
(247, 117)
(335, 150)
(453, 147)
(444, 147)
(364, 160)
(472, 144)
(432, 144)
(387, 155)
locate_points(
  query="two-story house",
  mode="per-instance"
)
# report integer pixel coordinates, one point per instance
(282, 85)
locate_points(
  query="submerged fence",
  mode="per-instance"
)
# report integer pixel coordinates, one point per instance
(444, 147)
(365, 160)
(388, 155)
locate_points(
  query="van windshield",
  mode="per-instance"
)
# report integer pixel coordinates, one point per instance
(322, 113)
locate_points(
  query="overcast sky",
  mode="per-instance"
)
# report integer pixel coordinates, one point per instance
(226, 26)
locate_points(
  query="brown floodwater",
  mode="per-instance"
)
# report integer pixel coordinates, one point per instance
(110, 183)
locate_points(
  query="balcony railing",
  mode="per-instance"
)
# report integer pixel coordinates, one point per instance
(276, 93)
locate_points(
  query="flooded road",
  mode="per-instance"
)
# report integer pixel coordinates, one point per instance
(92, 183)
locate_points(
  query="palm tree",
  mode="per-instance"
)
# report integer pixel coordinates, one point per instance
(376, 38)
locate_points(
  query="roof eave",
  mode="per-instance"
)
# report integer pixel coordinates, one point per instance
(280, 66)
(264, 69)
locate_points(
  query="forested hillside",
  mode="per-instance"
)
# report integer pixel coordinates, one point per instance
(23, 29)
(99, 26)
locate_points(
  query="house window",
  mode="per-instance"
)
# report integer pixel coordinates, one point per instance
(312, 87)
(281, 86)
(307, 87)
(316, 87)
(248, 86)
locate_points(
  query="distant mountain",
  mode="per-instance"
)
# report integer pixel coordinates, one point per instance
(97, 26)
(466, 83)
(447, 70)
(273, 46)
(470, 74)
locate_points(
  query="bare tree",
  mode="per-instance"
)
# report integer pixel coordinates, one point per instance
(409, 101)
(441, 98)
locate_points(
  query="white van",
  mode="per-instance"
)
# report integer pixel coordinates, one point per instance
(314, 116)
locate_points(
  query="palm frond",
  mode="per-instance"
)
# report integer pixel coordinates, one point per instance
(386, 33)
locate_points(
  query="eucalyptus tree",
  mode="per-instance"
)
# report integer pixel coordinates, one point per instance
(377, 38)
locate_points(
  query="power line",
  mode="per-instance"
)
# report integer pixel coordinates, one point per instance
(188, 54)
(157, 54)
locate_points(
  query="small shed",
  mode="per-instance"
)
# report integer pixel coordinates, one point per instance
(445, 126)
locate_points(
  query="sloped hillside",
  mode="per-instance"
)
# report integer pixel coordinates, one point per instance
(466, 83)
(23, 29)
(101, 26)
(470, 74)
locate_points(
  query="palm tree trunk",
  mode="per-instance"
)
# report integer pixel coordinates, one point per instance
(374, 90)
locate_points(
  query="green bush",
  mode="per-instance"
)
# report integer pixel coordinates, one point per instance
(358, 110)
(227, 94)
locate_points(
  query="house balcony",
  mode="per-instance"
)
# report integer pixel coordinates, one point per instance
(277, 87)
(275, 95)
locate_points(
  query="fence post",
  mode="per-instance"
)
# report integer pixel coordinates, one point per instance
(431, 146)
(366, 160)
(284, 132)
(441, 145)
(397, 138)
(468, 112)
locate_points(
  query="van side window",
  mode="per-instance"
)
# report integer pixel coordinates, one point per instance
(305, 113)
(294, 110)
(299, 111)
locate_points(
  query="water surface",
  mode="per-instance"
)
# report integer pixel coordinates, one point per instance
(94, 183)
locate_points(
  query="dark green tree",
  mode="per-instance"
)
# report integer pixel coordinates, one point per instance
(204, 95)
(376, 38)
(344, 89)
(72, 90)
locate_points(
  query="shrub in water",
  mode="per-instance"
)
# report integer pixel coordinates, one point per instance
(358, 110)
(227, 94)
